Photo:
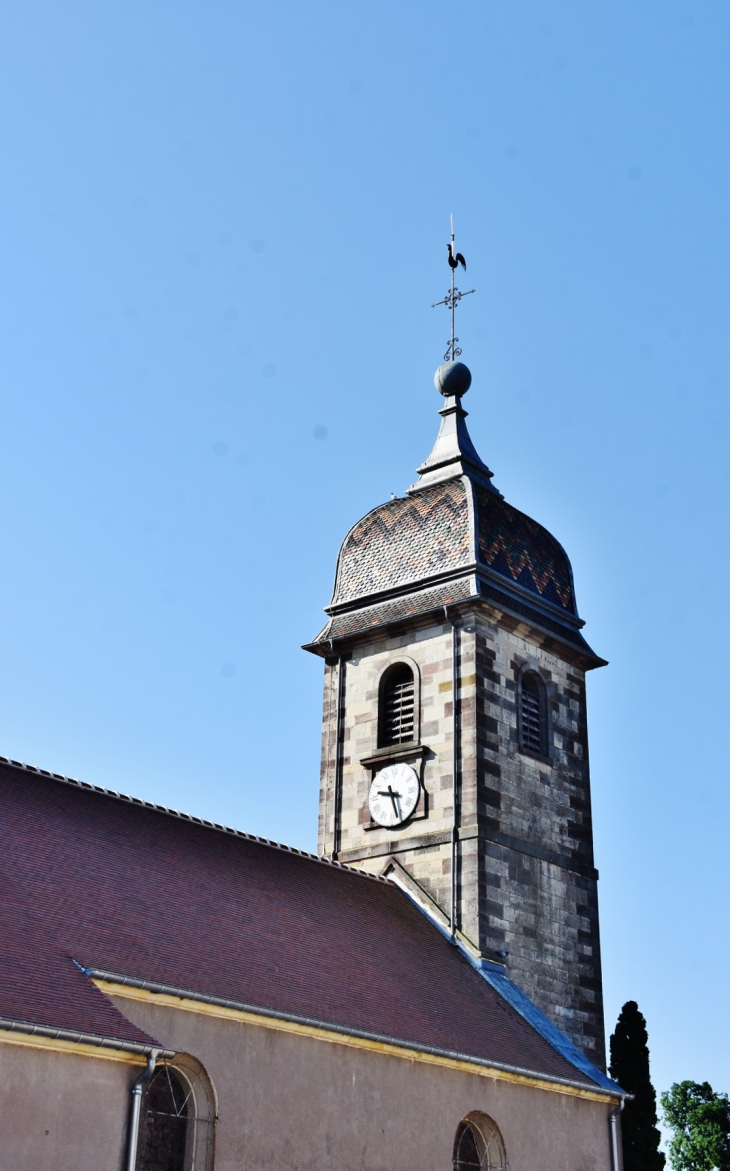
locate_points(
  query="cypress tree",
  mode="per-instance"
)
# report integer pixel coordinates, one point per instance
(630, 1068)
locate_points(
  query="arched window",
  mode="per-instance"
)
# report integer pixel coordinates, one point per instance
(164, 1134)
(533, 714)
(478, 1145)
(178, 1119)
(396, 713)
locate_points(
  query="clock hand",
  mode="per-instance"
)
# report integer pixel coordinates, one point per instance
(390, 793)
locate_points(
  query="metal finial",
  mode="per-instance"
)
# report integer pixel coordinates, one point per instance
(453, 297)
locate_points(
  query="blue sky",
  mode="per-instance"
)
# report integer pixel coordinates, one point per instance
(223, 226)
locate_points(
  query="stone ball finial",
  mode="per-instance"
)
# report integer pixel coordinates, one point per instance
(453, 378)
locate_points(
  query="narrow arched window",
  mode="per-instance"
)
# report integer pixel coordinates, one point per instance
(396, 714)
(163, 1139)
(177, 1123)
(533, 714)
(478, 1145)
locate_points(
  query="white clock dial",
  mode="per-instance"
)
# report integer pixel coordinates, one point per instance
(393, 794)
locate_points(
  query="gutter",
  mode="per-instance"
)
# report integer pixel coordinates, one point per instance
(80, 1038)
(328, 1026)
(496, 976)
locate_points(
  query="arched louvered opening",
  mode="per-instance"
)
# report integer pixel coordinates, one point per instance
(478, 1145)
(396, 715)
(533, 714)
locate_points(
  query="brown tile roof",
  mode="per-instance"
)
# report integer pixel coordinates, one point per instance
(39, 983)
(114, 884)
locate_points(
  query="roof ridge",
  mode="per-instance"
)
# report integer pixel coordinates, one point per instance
(61, 778)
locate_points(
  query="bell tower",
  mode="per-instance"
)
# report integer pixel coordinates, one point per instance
(454, 740)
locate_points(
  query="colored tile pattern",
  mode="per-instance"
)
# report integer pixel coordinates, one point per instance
(120, 886)
(521, 550)
(407, 540)
(371, 617)
(404, 541)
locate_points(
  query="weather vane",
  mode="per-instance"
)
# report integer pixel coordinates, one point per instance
(453, 297)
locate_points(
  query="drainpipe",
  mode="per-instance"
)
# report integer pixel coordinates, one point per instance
(613, 1124)
(329, 746)
(136, 1108)
(455, 783)
(338, 758)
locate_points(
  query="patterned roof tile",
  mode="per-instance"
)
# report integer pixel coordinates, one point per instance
(521, 550)
(405, 540)
(395, 610)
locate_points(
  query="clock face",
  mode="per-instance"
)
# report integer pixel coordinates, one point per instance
(393, 794)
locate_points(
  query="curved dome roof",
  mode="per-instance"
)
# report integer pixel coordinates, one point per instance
(451, 538)
(407, 540)
(449, 527)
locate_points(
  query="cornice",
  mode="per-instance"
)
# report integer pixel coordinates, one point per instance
(166, 995)
(471, 568)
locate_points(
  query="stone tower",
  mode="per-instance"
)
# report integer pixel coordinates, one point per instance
(454, 647)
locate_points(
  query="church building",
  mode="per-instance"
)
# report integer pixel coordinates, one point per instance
(422, 994)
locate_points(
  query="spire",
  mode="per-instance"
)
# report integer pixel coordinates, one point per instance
(453, 454)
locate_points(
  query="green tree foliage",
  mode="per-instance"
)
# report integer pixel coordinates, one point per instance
(630, 1068)
(700, 1119)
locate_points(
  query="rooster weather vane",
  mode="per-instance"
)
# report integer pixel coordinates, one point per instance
(452, 298)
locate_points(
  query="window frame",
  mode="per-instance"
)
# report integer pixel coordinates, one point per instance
(390, 669)
(200, 1119)
(488, 1132)
(525, 749)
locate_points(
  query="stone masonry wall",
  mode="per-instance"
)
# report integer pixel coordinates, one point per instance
(428, 832)
(538, 888)
(526, 883)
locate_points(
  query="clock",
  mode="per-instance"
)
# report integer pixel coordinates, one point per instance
(394, 794)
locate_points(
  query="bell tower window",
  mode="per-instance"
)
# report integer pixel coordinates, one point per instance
(533, 714)
(396, 712)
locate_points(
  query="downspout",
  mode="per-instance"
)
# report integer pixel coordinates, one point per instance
(455, 782)
(136, 1108)
(613, 1124)
(327, 757)
(338, 758)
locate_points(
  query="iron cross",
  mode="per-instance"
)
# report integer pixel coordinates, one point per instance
(452, 298)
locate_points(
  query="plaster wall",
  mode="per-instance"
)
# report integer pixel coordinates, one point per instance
(62, 1111)
(298, 1103)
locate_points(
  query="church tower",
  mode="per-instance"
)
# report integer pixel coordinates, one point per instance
(454, 742)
